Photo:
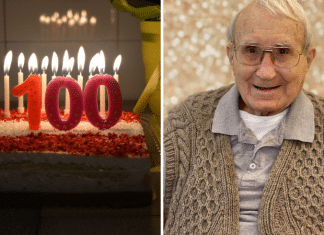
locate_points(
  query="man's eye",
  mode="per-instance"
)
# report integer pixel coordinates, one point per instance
(283, 51)
(251, 50)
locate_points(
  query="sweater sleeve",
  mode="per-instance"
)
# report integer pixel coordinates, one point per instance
(175, 141)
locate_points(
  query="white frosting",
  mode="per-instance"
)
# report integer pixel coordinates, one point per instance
(21, 128)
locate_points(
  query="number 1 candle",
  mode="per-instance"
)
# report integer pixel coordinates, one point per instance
(6, 68)
(21, 61)
(32, 86)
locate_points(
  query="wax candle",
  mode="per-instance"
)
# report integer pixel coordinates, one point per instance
(81, 60)
(114, 97)
(32, 86)
(6, 68)
(44, 81)
(116, 67)
(93, 65)
(67, 97)
(21, 61)
(54, 64)
(65, 67)
(101, 69)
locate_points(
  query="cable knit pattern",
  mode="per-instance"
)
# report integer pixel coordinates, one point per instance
(201, 189)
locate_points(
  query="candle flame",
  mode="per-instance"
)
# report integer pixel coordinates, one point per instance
(7, 62)
(101, 62)
(84, 13)
(69, 14)
(54, 63)
(32, 63)
(65, 64)
(117, 63)
(93, 63)
(21, 61)
(44, 63)
(71, 64)
(64, 19)
(81, 59)
(42, 18)
(93, 20)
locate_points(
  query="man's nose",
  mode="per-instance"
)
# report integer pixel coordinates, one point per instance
(266, 69)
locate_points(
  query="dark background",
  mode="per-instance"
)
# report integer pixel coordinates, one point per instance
(115, 33)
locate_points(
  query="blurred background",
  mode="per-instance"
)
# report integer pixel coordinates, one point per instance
(195, 46)
(44, 26)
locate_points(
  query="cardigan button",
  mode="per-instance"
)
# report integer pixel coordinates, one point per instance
(252, 166)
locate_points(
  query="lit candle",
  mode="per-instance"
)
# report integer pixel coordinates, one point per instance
(44, 81)
(21, 61)
(81, 59)
(67, 97)
(54, 64)
(65, 68)
(101, 69)
(6, 68)
(116, 67)
(32, 86)
(93, 64)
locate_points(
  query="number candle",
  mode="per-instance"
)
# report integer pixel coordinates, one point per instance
(21, 61)
(44, 81)
(6, 68)
(32, 86)
(52, 107)
(116, 67)
(101, 69)
(81, 59)
(54, 64)
(114, 97)
(65, 67)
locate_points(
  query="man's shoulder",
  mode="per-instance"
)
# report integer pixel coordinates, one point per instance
(202, 101)
(317, 101)
(194, 107)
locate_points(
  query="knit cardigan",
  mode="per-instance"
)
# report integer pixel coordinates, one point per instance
(201, 190)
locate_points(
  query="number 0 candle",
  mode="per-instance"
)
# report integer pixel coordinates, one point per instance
(32, 86)
(114, 97)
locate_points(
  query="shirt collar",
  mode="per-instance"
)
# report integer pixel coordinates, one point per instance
(301, 114)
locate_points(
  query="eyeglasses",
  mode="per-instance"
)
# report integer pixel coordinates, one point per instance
(284, 57)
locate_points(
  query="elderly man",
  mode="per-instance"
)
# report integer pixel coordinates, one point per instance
(248, 158)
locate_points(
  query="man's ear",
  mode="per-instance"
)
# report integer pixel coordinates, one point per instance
(310, 56)
(230, 53)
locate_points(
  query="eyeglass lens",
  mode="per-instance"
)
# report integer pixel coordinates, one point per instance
(253, 55)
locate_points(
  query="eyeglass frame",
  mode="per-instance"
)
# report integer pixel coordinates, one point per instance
(272, 55)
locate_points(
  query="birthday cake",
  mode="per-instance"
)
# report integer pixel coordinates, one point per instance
(84, 159)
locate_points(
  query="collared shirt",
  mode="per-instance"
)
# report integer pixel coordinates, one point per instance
(254, 158)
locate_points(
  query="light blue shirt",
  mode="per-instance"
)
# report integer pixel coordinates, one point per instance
(253, 158)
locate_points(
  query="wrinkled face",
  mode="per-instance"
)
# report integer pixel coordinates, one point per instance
(265, 88)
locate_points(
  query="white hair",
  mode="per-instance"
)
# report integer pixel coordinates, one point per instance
(290, 8)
